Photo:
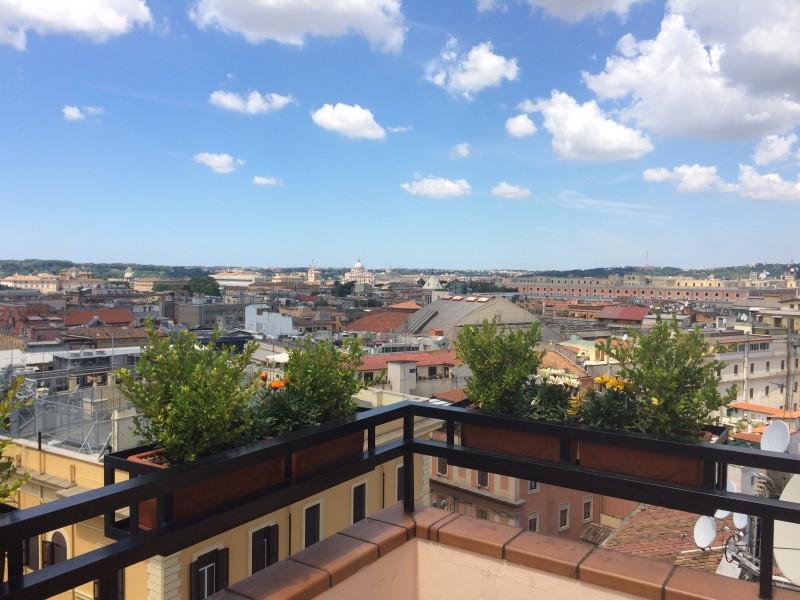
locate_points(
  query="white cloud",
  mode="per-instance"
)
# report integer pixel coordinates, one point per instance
(688, 178)
(219, 163)
(488, 5)
(673, 85)
(577, 201)
(759, 38)
(463, 149)
(520, 126)
(467, 74)
(400, 129)
(774, 148)
(77, 113)
(583, 132)
(527, 106)
(72, 113)
(751, 183)
(266, 180)
(349, 120)
(292, 21)
(437, 187)
(507, 190)
(97, 20)
(252, 104)
(576, 10)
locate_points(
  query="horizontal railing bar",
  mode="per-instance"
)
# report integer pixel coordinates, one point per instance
(747, 457)
(180, 534)
(92, 503)
(670, 495)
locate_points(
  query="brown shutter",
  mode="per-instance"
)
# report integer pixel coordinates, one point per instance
(272, 545)
(221, 569)
(258, 554)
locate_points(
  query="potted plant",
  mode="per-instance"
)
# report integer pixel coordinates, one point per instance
(319, 385)
(193, 401)
(666, 387)
(504, 364)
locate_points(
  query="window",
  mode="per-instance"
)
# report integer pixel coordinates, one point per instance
(533, 486)
(483, 479)
(482, 513)
(588, 508)
(563, 517)
(120, 587)
(263, 548)
(751, 393)
(533, 522)
(359, 502)
(431, 371)
(766, 390)
(441, 465)
(752, 367)
(30, 552)
(399, 484)
(208, 574)
(55, 550)
(735, 369)
(311, 520)
(767, 366)
(783, 365)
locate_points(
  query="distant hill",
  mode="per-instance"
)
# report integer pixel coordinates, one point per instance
(733, 272)
(100, 270)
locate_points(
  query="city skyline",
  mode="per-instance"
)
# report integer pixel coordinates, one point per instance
(502, 134)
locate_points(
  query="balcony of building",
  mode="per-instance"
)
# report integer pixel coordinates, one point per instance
(405, 551)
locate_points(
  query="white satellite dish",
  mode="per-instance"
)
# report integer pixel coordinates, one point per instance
(722, 513)
(741, 521)
(743, 317)
(776, 437)
(787, 536)
(705, 532)
(625, 338)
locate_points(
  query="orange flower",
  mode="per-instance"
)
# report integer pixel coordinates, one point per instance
(262, 376)
(276, 384)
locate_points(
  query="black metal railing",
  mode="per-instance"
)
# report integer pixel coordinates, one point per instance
(171, 535)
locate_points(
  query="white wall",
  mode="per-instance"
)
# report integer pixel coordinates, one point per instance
(271, 324)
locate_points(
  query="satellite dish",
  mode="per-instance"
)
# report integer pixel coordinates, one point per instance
(787, 536)
(776, 437)
(722, 513)
(741, 521)
(743, 317)
(625, 338)
(705, 532)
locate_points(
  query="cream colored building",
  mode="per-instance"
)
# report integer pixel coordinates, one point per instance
(43, 282)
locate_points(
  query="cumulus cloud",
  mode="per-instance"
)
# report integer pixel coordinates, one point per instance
(254, 103)
(673, 85)
(350, 121)
(583, 132)
(774, 148)
(751, 184)
(576, 10)
(467, 74)
(77, 113)
(400, 129)
(97, 20)
(463, 149)
(507, 190)
(291, 22)
(437, 187)
(520, 126)
(266, 180)
(488, 5)
(759, 38)
(219, 163)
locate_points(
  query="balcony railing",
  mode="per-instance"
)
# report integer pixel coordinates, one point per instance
(172, 535)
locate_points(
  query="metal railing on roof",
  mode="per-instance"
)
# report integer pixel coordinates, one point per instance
(172, 535)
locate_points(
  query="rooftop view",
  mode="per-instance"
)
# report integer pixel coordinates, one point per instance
(399, 299)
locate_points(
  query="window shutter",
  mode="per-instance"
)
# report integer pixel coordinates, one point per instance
(31, 554)
(48, 557)
(59, 552)
(195, 585)
(272, 545)
(257, 550)
(221, 578)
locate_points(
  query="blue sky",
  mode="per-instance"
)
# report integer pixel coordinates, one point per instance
(591, 133)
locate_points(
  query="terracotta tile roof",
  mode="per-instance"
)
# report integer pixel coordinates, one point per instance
(744, 436)
(383, 321)
(118, 333)
(109, 316)
(554, 360)
(378, 362)
(408, 306)
(455, 395)
(759, 408)
(621, 312)
(666, 535)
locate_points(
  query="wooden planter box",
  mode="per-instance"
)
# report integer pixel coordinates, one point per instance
(320, 457)
(206, 495)
(509, 441)
(683, 470)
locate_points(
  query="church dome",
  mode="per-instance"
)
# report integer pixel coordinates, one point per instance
(359, 266)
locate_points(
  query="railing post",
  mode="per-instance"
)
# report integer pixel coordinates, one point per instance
(109, 518)
(451, 432)
(371, 439)
(408, 463)
(108, 586)
(765, 558)
(14, 554)
(163, 509)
